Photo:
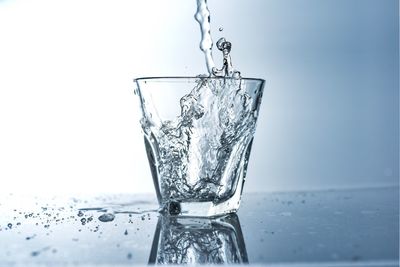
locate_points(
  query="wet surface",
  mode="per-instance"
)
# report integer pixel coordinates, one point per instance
(344, 228)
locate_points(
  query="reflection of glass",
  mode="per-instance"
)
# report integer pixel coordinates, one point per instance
(198, 135)
(198, 241)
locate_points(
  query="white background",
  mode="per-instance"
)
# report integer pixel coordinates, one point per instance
(69, 118)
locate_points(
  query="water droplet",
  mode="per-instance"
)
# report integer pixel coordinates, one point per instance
(126, 232)
(129, 256)
(30, 237)
(80, 213)
(221, 29)
(35, 253)
(83, 221)
(9, 225)
(107, 217)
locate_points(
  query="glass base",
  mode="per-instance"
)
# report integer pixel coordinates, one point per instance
(202, 209)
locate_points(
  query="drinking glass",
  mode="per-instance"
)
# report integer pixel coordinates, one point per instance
(198, 133)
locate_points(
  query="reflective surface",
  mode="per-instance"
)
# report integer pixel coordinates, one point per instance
(198, 240)
(322, 228)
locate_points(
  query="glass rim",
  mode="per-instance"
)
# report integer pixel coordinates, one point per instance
(192, 77)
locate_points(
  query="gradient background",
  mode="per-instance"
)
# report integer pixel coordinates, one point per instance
(69, 118)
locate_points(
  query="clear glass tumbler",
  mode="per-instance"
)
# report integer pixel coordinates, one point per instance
(198, 133)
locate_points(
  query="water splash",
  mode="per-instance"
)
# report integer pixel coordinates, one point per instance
(227, 69)
(200, 153)
(202, 16)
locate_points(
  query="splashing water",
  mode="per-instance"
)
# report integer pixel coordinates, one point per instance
(227, 69)
(203, 17)
(201, 153)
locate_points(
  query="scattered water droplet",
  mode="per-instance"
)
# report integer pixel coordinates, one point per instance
(35, 253)
(80, 213)
(9, 225)
(221, 29)
(30, 237)
(107, 217)
(126, 232)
